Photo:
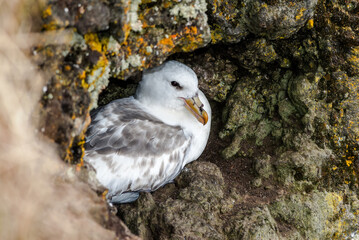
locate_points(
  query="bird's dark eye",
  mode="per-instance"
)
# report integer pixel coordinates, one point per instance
(176, 85)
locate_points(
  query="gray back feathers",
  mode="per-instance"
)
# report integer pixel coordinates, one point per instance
(122, 127)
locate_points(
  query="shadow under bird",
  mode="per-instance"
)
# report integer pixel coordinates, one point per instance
(141, 143)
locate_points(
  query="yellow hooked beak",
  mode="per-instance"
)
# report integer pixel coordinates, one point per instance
(195, 106)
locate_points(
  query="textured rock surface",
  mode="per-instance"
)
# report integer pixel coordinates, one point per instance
(282, 77)
(310, 212)
(227, 21)
(38, 201)
(277, 19)
(216, 74)
(192, 211)
(232, 21)
(106, 39)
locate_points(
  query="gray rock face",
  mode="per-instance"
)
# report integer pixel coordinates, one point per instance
(277, 19)
(81, 14)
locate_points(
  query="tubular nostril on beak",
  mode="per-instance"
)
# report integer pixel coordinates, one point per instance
(195, 106)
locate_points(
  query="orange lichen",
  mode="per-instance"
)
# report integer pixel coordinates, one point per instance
(126, 27)
(67, 67)
(310, 24)
(167, 4)
(166, 44)
(47, 12)
(191, 39)
(104, 195)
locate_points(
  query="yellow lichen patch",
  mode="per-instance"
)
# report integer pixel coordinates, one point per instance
(102, 63)
(47, 12)
(300, 13)
(341, 113)
(82, 77)
(81, 145)
(334, 201)
(96, 73)
(104, 195)
(126, 29)
(146, 1)
(167, 4)
(94, 43)
(50, 26)
(100, 46)
(345, 127)
(69, 156)
(353, 59)
(191, 30)
(214, 10)
(310, 24)
(216, 35)
(104, 42)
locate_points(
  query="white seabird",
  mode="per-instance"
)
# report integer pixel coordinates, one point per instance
(143, 142)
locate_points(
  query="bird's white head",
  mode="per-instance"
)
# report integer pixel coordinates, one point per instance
(175, 86)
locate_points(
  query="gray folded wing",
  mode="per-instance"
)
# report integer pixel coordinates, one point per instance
(131, 149)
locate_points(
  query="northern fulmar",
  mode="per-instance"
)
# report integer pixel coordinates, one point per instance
(140, 143)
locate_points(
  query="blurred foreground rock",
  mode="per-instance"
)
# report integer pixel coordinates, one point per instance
(37, 200)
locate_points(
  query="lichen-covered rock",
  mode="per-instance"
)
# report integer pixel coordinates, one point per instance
(251, 112)
(258, 224)
(216, 74)
(143, 34)
(319, 215)
(191, 210)
(340, 24)
(338, 39)
(232, 21)
(81, 14)
(38, 202)
(106, 39)
(328, 106)
(277, 19)
(77, 72)
(305, 164)
(161, 29)
(256, 54)
(226, 19)
(284, 77)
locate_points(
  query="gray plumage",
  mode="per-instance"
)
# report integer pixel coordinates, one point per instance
(141, 143)
(141, 133)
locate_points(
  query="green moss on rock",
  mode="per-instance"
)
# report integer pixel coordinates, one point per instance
(319, 215)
